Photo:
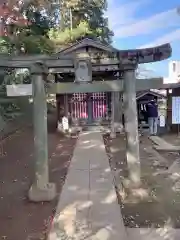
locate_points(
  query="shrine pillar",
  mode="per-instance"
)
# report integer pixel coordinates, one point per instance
(118, 112)
(121, 112)
(41, 190)
(113, 129)
(131, 126)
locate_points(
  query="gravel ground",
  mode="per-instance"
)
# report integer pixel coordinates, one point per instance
(157, 202)
(19, 218)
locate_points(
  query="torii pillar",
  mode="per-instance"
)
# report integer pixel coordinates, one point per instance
(131, 126)
(41, 189)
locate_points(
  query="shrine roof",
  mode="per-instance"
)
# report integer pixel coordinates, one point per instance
(141, 94)
(88, 42)
(171, 85)
(129, 56)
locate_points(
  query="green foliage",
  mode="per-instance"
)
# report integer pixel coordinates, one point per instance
(73, 12)
(61, 38)
(10, 107)
(30, 39)
(79, 19)
(39, 23)
(35, 44)
(6, 45)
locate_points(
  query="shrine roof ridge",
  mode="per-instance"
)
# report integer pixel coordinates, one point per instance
(88, 42)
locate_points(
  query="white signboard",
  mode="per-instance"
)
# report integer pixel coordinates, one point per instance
(65, 123)
(16, 90)
(162, 121)
(175, 110)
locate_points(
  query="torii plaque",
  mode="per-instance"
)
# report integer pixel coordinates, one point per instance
(83, 70)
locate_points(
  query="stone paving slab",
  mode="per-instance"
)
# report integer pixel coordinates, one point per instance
(167, 149)
(88, 207)
(153, 234)
(162, 145)
(101, 181)
(157, 160)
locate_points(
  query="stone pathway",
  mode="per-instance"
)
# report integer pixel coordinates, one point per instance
(88, 207)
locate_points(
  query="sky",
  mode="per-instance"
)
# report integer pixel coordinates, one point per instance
(146, 23)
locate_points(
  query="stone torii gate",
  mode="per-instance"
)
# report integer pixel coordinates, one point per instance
(81, 62)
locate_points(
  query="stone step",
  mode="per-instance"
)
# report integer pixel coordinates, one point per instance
(95, 128)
